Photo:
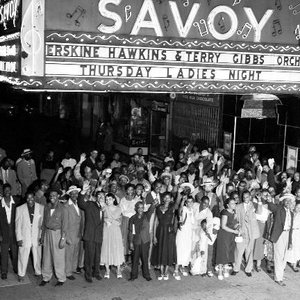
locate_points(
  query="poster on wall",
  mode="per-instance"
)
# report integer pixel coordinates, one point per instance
(292, 158)
(227, 145)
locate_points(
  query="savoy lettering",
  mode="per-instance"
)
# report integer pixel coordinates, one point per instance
(148, 18)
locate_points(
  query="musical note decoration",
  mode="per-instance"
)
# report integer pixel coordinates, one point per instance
(277, 29)
(166, 22)
(221, 24)
(202, 27)
(128, 13)
(79, 12)
(245, 31)
(295, 8)
(278, 4)
(236, 2)
(297, 32)
(185, 3)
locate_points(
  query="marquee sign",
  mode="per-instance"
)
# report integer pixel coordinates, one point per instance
(183, 46)
(10, 24)
(10, 16)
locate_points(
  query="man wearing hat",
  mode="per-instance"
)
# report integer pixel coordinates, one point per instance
(93, 234)
(140, 173)
(26, 170)
(53, 238)
(281, 234)
(73, 235)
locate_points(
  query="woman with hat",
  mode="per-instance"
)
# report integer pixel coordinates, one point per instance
(127, 205)
(112, 251)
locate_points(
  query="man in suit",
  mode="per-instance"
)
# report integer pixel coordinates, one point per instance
(26, 170)
(54, 231)
(8, 175)
(93, 234)
(139, 239)
(281, 234)
(73, 236)
(29, 219)
(8, 206)
(249, 230)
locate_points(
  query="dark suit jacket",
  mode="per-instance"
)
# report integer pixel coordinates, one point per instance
(93, 228)
(279, 220)
(140, 234)
(4, 229)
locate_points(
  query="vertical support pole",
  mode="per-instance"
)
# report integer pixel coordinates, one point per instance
(234, 141)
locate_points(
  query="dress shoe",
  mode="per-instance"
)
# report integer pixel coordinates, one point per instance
(148, 278)
(89, 279)
(3, 276)
(98, 277)
(281, 283)
(233, 273)
(59, 283)
(71, 277)
(21, 279)
(43, 283)
(78, 270)
(249, 274)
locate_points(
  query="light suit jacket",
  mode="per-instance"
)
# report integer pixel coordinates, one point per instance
(74, 231)
(248, 223)
(29, 234)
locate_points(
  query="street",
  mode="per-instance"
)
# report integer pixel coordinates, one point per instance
(259, 286)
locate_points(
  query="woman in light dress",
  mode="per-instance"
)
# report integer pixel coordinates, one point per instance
(112, 251)
(184, 236)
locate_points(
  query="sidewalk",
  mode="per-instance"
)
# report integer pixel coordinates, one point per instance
(259, 287)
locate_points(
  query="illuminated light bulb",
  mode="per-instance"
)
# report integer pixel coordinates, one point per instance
(67, 39)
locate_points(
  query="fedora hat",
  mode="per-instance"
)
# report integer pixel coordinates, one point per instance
(124, 177)
(26, 151)
(208, 181)
(166, 174)
(188, 185)
(73, 188)
(287, 196)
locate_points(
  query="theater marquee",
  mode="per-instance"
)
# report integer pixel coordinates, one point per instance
(172, 46)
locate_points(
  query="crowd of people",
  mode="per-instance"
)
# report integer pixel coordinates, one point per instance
(195, 215)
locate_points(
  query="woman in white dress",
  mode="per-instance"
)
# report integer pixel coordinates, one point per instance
(184, 236)
(293, 254)
(112, 251)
